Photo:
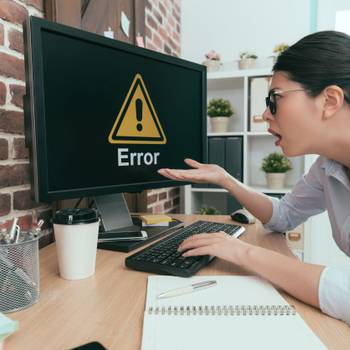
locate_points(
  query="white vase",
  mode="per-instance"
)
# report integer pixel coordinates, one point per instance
(275, 180)
(212, 65)
(247, 63)
(219, 124)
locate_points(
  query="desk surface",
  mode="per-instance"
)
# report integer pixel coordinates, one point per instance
(108, 307)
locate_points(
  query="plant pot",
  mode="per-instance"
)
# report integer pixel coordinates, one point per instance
(247, 63)
(219, 124)
(275, 180)
(212, 65)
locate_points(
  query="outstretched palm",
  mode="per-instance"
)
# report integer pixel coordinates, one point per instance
(201, 173)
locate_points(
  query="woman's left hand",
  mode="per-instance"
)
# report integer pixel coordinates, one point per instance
(218, 244)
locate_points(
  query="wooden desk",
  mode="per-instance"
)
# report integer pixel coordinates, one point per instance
(108, 307)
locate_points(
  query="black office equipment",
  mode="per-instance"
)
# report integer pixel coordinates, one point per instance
(216, 152)
(162, 257)
(102, 116)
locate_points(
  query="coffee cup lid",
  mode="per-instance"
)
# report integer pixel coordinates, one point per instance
(75, 216)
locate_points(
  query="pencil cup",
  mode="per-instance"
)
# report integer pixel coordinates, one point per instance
(19, 273)
(76, 233)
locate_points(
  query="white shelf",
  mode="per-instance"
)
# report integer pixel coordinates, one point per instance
(269, 190)
(259, 133)
(241, 73)
(231, 133)
(208, 189)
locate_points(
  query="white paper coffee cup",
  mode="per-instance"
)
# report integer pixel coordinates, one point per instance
(76, 233)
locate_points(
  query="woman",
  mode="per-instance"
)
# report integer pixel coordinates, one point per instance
(308, 111)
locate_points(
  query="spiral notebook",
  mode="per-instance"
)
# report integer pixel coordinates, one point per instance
(240, 312)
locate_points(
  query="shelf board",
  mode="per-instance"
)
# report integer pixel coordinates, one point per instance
(258, 133)
(241, 73)
(209, 189)
(269, 190)
(229, 133)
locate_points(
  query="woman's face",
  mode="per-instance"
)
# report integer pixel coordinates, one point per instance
(295, 122)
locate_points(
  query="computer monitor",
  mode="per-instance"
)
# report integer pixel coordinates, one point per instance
(102, 115)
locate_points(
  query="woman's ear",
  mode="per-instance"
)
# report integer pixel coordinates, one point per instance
(333, 100)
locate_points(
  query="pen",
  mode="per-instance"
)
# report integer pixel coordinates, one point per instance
(13, 229)
(189, 289)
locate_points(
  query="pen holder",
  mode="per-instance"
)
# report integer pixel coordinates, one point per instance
(19, 274)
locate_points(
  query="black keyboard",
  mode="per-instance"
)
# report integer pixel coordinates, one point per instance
(162, 257)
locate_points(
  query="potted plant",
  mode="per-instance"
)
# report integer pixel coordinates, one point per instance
(219, 112)
(278, 49)
(247, 60)
(209, 211)
(212, 61)
(275, 165)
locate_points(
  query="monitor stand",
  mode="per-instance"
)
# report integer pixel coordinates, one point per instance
(114, 214)
(115, 217)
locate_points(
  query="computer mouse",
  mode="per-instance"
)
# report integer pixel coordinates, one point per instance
(243, 216)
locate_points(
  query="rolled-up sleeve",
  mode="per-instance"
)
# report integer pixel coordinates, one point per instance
(334, 293)
(305, 200)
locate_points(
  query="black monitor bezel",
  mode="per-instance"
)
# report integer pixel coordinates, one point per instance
(35, 113)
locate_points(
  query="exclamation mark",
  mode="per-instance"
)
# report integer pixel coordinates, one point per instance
(139, 114)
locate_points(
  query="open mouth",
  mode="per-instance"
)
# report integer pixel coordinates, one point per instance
(279, 137)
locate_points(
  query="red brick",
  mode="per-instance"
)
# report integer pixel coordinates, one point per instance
(4, 149)
(152, 23)
(12, 12)
(176, 16)
(17, 92)
(163, 33)
(178, 28)
(167, 205)
(22, 200)
(1, 34)
(158, 16)
(152, 198)
(2, 93)
(174, 192)
(11, 66)
(5, 203)
(25, 222)
(14, 175)
(162, 9)
(157, 41)
(38, 4)
(19, 149)
(16, 40)
(11, 122)
(162, 196)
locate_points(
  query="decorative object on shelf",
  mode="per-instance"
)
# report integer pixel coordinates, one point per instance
(212, 61)
(209, 211)
(258, 89)
(275, 165)
(247, 60)
(278, 49)
(219, 111)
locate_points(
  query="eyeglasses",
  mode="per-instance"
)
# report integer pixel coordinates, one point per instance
(270, 100)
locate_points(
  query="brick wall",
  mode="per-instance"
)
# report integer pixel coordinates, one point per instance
(162, 34)
(15, 198)
(163, 29)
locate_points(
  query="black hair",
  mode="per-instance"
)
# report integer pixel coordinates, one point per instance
(317, 61)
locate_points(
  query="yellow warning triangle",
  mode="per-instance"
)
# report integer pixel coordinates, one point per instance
(137, 121)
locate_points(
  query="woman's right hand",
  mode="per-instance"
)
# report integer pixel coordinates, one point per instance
(201, 173)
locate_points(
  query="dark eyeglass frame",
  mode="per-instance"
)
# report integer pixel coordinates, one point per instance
(270, 100)
(271, 103)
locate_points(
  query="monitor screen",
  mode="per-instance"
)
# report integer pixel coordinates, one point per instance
(105, 115)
